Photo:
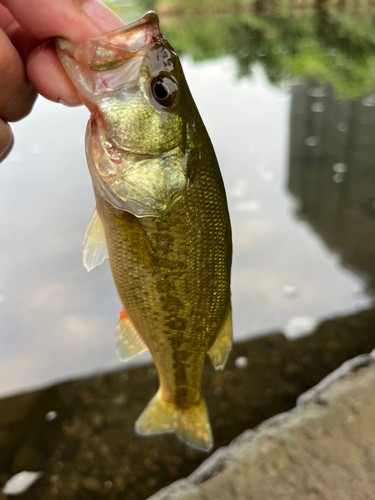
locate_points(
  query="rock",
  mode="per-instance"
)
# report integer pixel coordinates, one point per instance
(20, 482)
(322, 449)
(91, 483)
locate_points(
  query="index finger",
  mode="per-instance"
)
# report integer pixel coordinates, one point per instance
(75, 20)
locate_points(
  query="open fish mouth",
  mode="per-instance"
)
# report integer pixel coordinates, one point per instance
(93, 65)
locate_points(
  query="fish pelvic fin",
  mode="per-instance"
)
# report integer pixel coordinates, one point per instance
(220, 349)
(94, 243)
(129, 343)
(191, 424)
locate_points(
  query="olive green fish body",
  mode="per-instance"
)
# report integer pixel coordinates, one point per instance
(161, 219)
(178, 293)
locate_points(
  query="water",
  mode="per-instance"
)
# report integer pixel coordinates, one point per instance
(296, 154)
(60, 321)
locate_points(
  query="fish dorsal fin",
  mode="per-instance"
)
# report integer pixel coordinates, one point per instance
(190, 424)
(219, 351)
(94, 244)
(129, 343)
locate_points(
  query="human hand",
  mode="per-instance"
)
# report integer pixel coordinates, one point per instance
(28, 60)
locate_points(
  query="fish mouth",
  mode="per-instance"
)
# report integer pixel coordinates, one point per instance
(93, 65)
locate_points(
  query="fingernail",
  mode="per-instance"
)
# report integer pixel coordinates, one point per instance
(70, 104)
(104, 18)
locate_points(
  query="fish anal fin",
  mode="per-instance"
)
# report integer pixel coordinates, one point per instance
(191, 424)
(129, 343)
(220, 349)
(94, 244)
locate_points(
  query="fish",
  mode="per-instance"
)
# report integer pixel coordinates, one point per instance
(161, 217)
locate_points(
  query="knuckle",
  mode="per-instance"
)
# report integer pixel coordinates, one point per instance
(6, 140)
(17, 95)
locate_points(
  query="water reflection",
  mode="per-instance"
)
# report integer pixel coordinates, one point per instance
(58, 321)
(334, 178)
(335, 45)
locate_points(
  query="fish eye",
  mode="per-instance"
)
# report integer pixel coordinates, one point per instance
(164, 90)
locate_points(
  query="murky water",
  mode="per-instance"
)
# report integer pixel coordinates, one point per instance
(297, 157)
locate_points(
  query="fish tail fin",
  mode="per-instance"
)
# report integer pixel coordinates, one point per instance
(190, 424)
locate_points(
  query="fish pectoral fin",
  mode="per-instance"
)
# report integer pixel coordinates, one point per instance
(190, 424)
(129, 343)
(220, 349)
(94, 244)
(138, 241)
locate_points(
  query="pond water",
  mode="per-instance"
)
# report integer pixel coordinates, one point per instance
(289, 178)
(295, 138)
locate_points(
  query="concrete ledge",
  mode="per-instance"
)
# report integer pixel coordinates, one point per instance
(322, 449)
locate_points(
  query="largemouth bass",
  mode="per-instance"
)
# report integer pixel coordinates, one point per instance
(161, 216)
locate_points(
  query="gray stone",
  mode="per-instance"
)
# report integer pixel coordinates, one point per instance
(322, 449)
